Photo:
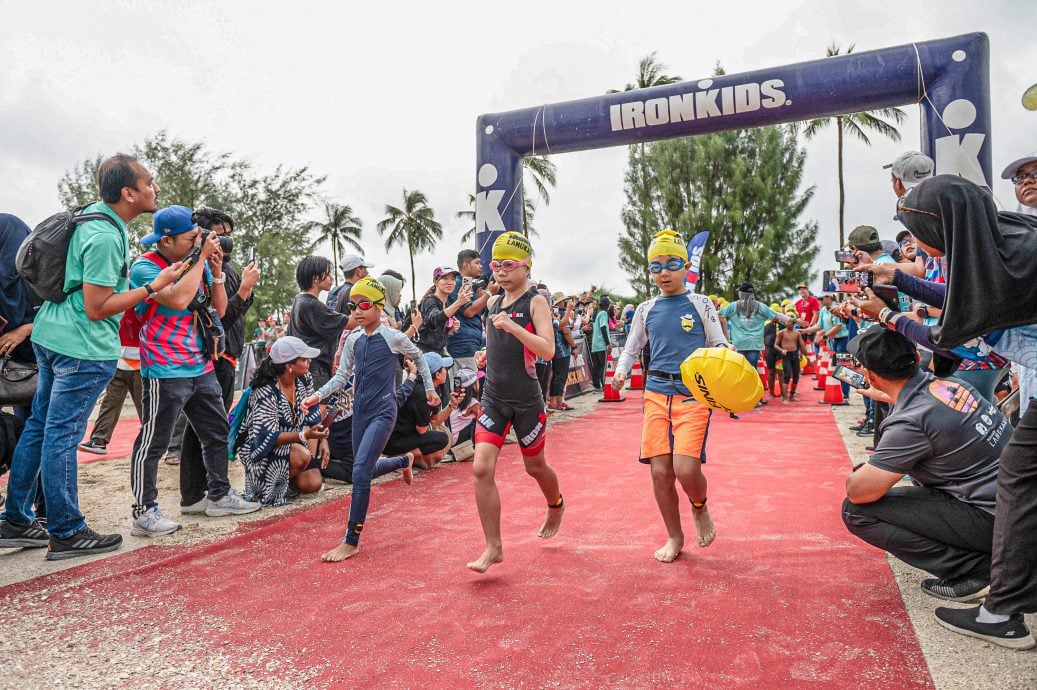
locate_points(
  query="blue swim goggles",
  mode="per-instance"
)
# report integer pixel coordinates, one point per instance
(656, 268)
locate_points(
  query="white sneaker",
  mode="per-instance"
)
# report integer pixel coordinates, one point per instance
(196, 508)
(231, 504)
(153, 524)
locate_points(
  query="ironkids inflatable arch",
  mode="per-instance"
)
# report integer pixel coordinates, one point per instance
(948, 78)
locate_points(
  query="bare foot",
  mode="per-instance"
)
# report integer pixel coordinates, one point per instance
(340, 553)
(408, 471)
(551, 523)
(704, 525)
(492, 554)
(669, 552)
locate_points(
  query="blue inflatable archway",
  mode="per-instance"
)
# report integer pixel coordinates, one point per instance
(948, 78)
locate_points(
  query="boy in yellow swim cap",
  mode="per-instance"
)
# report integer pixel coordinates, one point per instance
(518, 331)
(673, 437)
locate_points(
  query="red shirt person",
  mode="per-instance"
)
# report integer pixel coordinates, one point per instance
(807, 306)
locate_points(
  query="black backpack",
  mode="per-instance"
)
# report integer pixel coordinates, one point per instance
(41, 258)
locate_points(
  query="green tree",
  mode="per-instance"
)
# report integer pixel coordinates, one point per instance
(742, 186)
(639, 217)
(528, 212)
(544, 177)
(268, 210)
(413, 226)
(341, 227)
(854, 125)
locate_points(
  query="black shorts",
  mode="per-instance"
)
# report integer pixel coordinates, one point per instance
(530, 422)
(772, 357)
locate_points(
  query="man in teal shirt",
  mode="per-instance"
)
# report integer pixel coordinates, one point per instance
(77, 345)
(600, 342)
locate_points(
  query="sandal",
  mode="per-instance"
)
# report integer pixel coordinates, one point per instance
(172, 460)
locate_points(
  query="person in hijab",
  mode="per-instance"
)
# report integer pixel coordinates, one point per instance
(989, 300)
(746, 319)
(393, 294)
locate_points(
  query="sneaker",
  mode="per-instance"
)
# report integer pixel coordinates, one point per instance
(231, 504)
(95, 447)
(14, 536)
(963, 589)
(1013, 633)
(85, 542)
(153, 524)
(196, 508)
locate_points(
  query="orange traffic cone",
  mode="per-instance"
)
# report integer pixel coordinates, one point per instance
(833, 392)
(761, 368)
(822, 369)
(610, 393)
(811, 367)
(637, 377)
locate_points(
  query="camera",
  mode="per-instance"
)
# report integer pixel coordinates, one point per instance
(478, 284)
(847, 281)
(845, 257)
(226, 244)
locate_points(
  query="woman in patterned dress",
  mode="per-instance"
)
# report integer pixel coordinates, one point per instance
(283, 448)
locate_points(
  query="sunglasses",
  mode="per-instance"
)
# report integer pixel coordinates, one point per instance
(1023, 177)
(362, 305)
(655, 268)
(901, 207)
(507, 265)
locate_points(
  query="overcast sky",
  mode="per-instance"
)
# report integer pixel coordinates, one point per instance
(384, 96)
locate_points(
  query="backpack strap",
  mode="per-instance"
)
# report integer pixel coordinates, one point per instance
(79, 217)
(162, 262)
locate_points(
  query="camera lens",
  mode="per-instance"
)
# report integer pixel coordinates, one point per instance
(226, 243)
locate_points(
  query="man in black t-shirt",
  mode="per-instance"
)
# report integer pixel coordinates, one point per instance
(948, 438)
(413, 432)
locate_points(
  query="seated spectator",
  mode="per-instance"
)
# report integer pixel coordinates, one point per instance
(948, 438)
(413, 431)
(282, 447)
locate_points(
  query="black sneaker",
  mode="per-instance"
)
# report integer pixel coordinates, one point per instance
(1013, 633)
(95, 447)
(14, 536)
(85, 542)
(963, 589)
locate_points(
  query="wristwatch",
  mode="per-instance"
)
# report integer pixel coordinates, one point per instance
(219, 281)
(150, 290)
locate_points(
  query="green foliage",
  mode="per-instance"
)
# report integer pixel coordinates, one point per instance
(268, 210)
(413, 226)
(742, 186)
(341, 227)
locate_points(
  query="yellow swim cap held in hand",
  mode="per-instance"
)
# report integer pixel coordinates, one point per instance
(371, 289)
(667, 243)
(514, 246)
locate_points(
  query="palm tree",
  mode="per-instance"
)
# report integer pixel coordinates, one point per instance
(413, 226)
(544, 176)
(341, 227)
(650, 73)
(854, 125)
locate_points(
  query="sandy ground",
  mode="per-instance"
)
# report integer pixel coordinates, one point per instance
(105, 499)
(954, 661)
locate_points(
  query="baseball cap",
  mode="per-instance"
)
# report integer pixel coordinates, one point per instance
(467, 376)
(912, 167)
(288, 347)
(168, 222)
(746, 287)
(889, 246)
(802, 286)
(863, 234)
(1013, 167)
(903, 235)
(436, 362)
(351, 262)
(444, 271)
(884, 352)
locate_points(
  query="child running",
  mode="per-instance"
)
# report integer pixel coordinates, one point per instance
(519, 331)
(673, 438)
(370, 354)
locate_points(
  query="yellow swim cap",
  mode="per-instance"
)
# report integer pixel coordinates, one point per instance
(786, 302)
(667, 243)
(371, 289)
(514, 246)
(776, 307)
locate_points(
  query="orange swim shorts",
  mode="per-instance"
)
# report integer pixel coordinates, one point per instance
(674, 424)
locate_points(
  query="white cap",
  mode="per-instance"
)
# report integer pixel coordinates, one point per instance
(351, 262)
(289, 347)
(1013, 167)
(911, 168)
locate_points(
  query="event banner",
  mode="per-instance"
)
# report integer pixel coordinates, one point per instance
(579, 381)
(696, 245)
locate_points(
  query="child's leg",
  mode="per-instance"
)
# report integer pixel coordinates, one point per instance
(693, 481)
(690, 429)
(547, 479)
(664, 486)
(487, 499)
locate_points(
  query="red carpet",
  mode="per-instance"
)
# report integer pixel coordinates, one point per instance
(120, 445)
(784, 597)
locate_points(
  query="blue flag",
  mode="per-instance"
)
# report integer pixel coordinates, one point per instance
(696, 245)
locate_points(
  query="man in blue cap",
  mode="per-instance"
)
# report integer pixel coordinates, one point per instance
(177, 368)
